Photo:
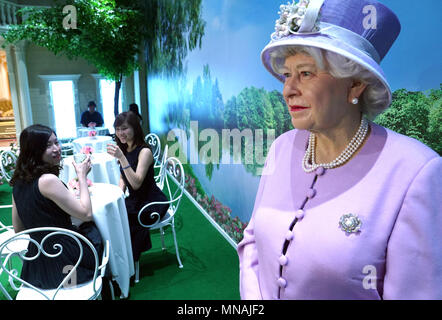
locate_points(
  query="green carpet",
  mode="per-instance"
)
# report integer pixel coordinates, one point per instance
(211, 269)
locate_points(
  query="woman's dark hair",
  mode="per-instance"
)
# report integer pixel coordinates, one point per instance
(91, 103)
(130, 119)
(30, 165)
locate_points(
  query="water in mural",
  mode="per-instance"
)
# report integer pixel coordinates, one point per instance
(222, 114)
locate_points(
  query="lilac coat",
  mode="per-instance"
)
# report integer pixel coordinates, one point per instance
(393, 184)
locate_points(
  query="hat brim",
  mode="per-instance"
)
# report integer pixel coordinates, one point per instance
(327, 43)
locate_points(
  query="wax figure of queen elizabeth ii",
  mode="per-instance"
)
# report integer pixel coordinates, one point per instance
(346, 209)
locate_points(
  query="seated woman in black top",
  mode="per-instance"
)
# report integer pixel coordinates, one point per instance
(137, 174)
(41, 199)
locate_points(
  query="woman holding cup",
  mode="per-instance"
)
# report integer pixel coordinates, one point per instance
(137, 175)
(41, 199)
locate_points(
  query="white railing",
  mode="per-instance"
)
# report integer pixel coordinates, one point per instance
(8, 12)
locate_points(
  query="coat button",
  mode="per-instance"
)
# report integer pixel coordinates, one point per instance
(282, 282)
(320, 171)
(289, 235)
(283, 260)
(300, 214)
(311, 193)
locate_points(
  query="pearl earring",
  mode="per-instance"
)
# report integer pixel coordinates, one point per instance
(355, 101)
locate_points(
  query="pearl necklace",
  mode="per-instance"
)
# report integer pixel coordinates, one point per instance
(348, 152)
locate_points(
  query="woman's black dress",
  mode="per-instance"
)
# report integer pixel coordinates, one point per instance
(148, 192)
(36, 211)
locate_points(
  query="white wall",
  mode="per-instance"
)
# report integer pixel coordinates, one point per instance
(40, 61)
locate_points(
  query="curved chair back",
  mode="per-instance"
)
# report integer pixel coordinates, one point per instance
(174, 178)
(67, 148)
(7, 164)
(7, 232)
(154, 143)
(65, 290)
(159, 178)
(173, 171)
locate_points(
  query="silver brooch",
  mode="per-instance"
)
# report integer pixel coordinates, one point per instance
(350, 223)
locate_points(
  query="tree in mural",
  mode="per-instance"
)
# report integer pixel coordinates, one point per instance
(109, 34)
(255, 109)
(172, 28)
(207, 102)
(416, 115)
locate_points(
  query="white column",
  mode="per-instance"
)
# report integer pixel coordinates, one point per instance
(99, 101)
(19, 84)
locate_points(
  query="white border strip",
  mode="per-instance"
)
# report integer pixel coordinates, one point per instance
(208, 217)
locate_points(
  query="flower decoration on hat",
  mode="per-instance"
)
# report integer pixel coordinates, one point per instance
(291, 18)
(92, 133)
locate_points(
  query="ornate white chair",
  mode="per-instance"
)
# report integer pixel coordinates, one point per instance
(65, 291)
(7, 164)
(67, 148)
(155, 144)
(159, 178)
(7, 232)
(173, 171)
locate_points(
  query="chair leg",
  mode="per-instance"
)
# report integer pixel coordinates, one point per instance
(180, 265)
(6, 294)
(162, 239)
(137, 271)
(112, 289)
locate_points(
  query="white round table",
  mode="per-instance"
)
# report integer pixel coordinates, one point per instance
(98, 143)
(105, 169)
(84, 132)
(110, 216)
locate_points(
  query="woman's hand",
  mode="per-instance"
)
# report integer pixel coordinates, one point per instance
(82, 169)
(115, 151)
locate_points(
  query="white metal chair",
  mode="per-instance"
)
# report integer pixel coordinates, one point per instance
(67, 148)
(155, 144)
(65, 291)
(7, 232)
(159, 178)
(7, 164)
(174, 171)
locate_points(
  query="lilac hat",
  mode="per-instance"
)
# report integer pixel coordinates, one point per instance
(361, 30)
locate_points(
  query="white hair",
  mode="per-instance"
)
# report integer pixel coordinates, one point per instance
(375, 97)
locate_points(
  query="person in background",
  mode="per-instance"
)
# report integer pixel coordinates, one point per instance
(345, 209)
(137, 175)
(91, 117)
(41, 199)
(134, 108)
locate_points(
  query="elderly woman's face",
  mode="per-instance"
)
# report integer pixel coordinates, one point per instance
(316, 100)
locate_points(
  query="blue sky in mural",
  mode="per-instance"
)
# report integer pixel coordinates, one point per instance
(237, 31)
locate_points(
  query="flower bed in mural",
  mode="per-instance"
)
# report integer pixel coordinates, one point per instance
(220, 213)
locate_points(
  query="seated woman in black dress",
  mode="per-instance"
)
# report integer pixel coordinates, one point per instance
(137, 174)
(41, 199)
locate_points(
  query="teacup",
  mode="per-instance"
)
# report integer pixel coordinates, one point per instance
(79, 157)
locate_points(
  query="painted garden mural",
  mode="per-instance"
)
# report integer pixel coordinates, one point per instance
(220, 115)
